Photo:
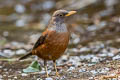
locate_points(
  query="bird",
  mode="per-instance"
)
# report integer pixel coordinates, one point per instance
(53, 42)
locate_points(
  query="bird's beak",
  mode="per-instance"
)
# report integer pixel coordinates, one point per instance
(71, 13)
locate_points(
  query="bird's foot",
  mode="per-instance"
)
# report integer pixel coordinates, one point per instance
(57, 74)
(47, 75)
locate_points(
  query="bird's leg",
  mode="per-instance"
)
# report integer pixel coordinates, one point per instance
(45, 65)
(57, 74)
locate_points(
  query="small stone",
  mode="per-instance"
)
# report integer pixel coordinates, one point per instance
(5, 69)
(19, 72)
(71, 68)
(76, 40)
(64, 57)
(84, 49)
(49, 78)
(110, 54)
(91, 78)
(94, 72)
(1, 76)
(4, 75)
(15, 77)
(102, 55)
(82, 70)
(39, 79)
(7, 53)
(48, 5)
(24, 74)
(1, 66)
(21, 51)
(116, 57)
(95, 59)
(42, 72)
(20, 8)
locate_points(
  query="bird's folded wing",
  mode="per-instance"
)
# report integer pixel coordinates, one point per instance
(40, 41)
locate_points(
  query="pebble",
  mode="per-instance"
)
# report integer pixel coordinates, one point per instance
(39, 79)
(102, 55)
(15, 77)
(74, 50)
(20, 8)
(4, 75)
(1, 76)
(110, 54)
(95, 59)
(5, 69)
(1, 66)
(20, 23)
(82, 70)
(71, 68)
(94, 72)
(84, 49)
(116, 57)
(62, 78)
(48, 5)
(86, 57)
(24, 74)
(7, 53)
(42, 72)
(49, 78)
(21, 51)
(76, 40)
(91, 78)
(103, 70)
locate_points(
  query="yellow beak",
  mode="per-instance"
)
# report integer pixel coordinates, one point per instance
(71, 13)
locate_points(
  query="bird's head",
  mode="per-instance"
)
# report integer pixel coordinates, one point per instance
(60, 15)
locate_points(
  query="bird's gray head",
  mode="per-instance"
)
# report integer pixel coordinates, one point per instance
(57, 21)
(60, 15)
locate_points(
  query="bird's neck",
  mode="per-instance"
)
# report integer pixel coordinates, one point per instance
(57, 25)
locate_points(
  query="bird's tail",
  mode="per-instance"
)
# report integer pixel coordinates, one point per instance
(25, 56)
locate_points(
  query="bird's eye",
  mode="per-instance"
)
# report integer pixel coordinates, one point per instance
(61, 15)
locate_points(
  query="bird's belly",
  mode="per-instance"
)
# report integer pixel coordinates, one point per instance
(54, 47)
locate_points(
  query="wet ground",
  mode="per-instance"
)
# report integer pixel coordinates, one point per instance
(93, 51)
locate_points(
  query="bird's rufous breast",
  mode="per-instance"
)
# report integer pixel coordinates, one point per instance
(54, 45)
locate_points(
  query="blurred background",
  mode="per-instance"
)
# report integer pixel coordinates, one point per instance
(95, 37)
(22, 21)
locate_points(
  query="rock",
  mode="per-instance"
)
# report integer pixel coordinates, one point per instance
(1, 66)
(19, 8)
(15, 77)
(42, 72)
(71, 68)
(94, 72)
(110, 54)
(24, 74)
(82, 70)
(76, 40)
(84, 49)
(48, 5)
(49, 78)
(116, 57)
(39, 79)
(21, 51)
(7, 53)
(95, 59)
(1, 76)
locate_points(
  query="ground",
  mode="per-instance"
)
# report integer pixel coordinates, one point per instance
(13, 71)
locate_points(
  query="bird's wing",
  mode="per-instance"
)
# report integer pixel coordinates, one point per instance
(40, 41)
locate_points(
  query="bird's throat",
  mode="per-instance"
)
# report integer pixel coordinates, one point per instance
(58, 26)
